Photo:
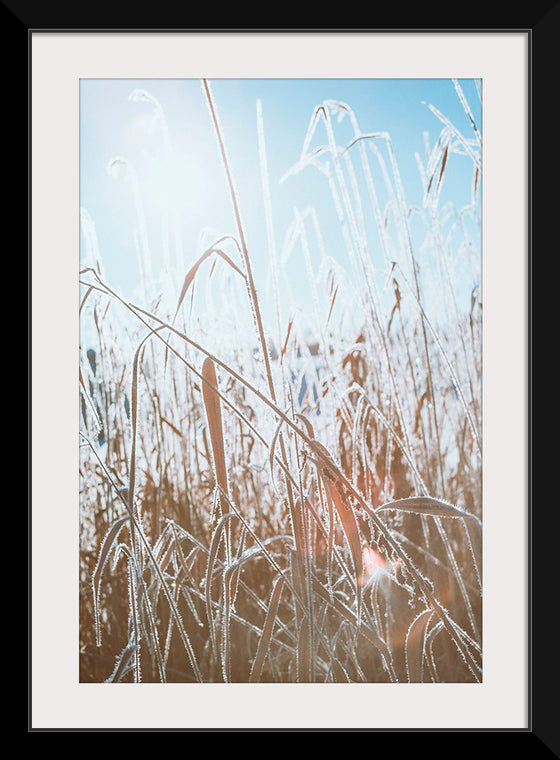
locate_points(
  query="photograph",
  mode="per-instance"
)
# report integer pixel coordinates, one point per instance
(280, 380)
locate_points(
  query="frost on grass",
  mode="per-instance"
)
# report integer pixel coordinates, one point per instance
(304, 498)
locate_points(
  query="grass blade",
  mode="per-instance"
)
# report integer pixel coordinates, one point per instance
(214, 417)
(414, 648)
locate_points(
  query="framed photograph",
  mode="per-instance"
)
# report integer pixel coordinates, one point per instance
(280, 391)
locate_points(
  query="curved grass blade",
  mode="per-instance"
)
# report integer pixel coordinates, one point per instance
(414, 646)
(349, 524)
(212, 555)
(426, 505)
(270, 620)
(189, 277)
(107, 544)
(125, 663)
(214, 417)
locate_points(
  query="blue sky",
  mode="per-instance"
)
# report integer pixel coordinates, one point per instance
(187, 202)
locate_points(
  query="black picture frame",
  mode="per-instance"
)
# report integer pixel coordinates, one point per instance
(541, 30)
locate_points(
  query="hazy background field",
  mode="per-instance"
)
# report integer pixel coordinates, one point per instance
(280, 374)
